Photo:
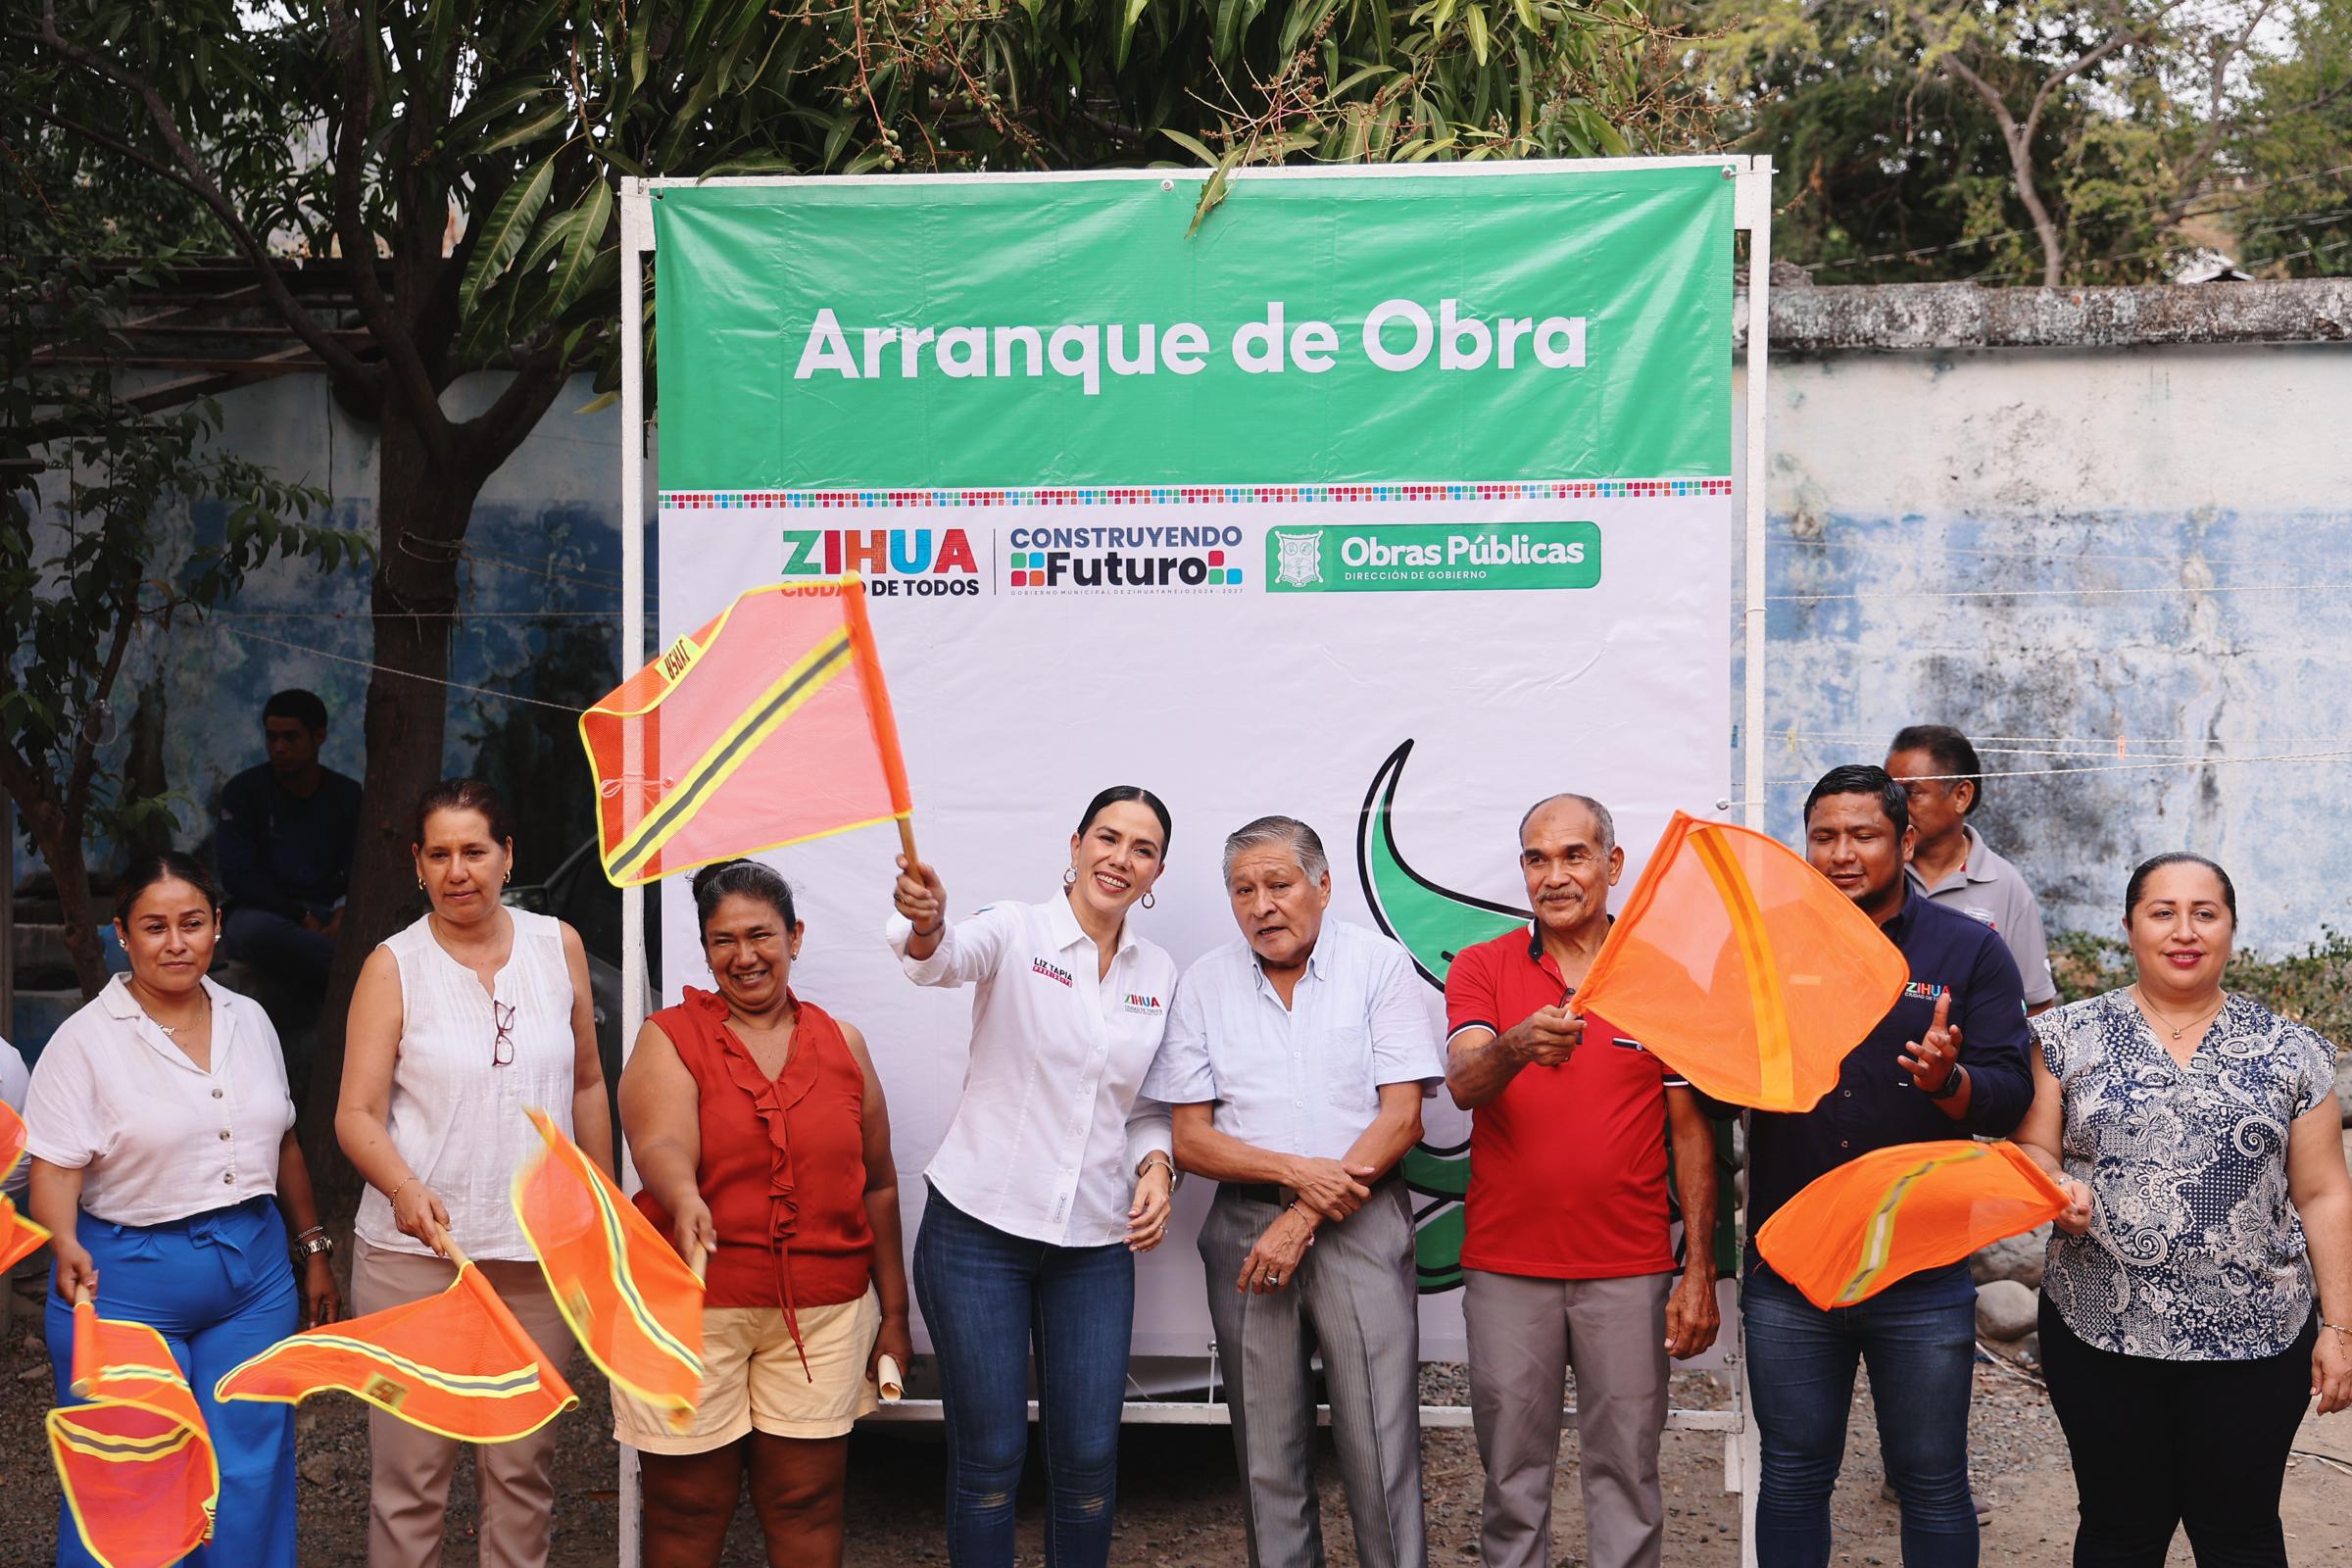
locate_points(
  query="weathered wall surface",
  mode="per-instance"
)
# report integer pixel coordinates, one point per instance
(541, 591)
(2111, 555)
(2107, 558)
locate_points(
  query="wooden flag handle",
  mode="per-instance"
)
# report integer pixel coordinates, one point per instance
(699, 1261)
(448, 1246)
(81, 1294)
(907, 841)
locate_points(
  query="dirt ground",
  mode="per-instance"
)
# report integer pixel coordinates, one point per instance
(1179, 1505)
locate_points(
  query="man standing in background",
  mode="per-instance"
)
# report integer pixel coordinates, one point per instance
(1952, 865)
(286, 833)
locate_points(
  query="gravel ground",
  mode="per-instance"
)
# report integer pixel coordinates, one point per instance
(1179, 1503)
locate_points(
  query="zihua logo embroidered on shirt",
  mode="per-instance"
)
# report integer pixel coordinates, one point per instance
(1136, 1003)
(1925, 990)
(1052, 971)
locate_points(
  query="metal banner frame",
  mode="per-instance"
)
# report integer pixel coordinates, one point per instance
(1752, 215)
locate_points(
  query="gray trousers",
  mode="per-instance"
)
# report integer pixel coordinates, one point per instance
(1354, 1298)
(1524, 1332)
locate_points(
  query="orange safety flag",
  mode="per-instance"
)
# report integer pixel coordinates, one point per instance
(135, 1461)
(20, 1237)
(787, 684)
(457, 1363)
(635, 1307)
(1742, 967)
(1856, 1230)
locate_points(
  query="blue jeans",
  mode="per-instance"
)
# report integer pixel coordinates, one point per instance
(219, 1291)
(1919, 1339)
(987, 1296)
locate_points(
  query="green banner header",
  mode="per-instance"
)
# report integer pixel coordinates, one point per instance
(1448, 324)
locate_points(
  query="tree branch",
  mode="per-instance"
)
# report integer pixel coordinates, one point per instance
(338, 358)
(85, 746)
(491, 436)
(359, 244)
(2019, 141)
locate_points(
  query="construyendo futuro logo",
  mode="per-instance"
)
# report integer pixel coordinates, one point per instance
(1129, 560)
(1374, 558)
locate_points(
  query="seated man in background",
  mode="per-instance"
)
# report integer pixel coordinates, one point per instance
(286, 833)
(1295, 1060)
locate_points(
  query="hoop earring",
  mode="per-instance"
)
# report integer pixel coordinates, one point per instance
(1148, 900)
(1069, 878)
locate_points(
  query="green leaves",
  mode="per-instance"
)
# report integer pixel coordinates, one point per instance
(504, 231)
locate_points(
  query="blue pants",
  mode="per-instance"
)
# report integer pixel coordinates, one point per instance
(987, 1296)
(1919, 1340)
(218, 1289)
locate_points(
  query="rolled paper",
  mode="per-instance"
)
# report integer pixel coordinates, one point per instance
(893, 1382)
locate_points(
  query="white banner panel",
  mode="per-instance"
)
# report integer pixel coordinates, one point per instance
(1239, 651)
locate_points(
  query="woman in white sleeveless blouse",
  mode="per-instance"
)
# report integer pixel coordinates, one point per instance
(459, 1025)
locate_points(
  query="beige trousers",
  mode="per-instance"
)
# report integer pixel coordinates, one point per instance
(408, 1492)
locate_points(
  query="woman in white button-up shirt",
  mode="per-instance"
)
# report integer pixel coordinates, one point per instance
(166, 1169)
(1051, 1176)
(459, 1025)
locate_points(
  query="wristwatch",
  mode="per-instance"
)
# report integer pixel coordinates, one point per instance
(313, 1243)
(1951, 1084)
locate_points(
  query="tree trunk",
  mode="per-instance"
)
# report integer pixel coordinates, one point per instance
(424, 503)
(61, 851)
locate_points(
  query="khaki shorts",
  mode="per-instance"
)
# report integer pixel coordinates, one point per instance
(752, 1379)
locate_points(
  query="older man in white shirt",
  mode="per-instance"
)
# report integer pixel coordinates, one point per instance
(1295, 1060)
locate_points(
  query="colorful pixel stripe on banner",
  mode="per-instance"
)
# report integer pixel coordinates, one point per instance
(1204, 495)
(632, 1303)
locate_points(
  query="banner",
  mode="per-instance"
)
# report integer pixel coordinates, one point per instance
(1393, 501)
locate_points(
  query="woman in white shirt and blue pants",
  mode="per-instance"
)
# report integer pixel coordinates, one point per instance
(1053, 1175)
(166, 1169)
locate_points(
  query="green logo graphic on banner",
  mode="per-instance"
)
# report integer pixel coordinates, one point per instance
(1385, 558)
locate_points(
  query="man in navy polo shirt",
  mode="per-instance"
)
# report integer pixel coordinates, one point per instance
(1949, 1061)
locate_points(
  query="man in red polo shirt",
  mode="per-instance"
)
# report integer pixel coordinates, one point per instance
(1567, 1257)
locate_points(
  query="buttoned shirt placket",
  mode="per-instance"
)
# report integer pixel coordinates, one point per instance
(225, 1031)
(1094, 992)
(1290, 1032)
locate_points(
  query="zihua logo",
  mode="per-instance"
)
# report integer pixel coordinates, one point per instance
(1374, 557)
(911, 562)
(1138, 559)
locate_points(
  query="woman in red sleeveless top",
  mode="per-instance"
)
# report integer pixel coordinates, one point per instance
(760, 1132)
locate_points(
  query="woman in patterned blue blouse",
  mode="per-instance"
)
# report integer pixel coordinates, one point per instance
(2199, 1292)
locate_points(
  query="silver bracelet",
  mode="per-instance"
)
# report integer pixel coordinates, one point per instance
(1160, 1160)
(2340, 1328)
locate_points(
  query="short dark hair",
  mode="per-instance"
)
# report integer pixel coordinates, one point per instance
(1864, 778)
(2157, 862)
(464, 795)
(714, 883)
(162, 865)
(1130, 792)
(1951, 752)
(304, 708)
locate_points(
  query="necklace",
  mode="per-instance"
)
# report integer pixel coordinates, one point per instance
(2179, 1029)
